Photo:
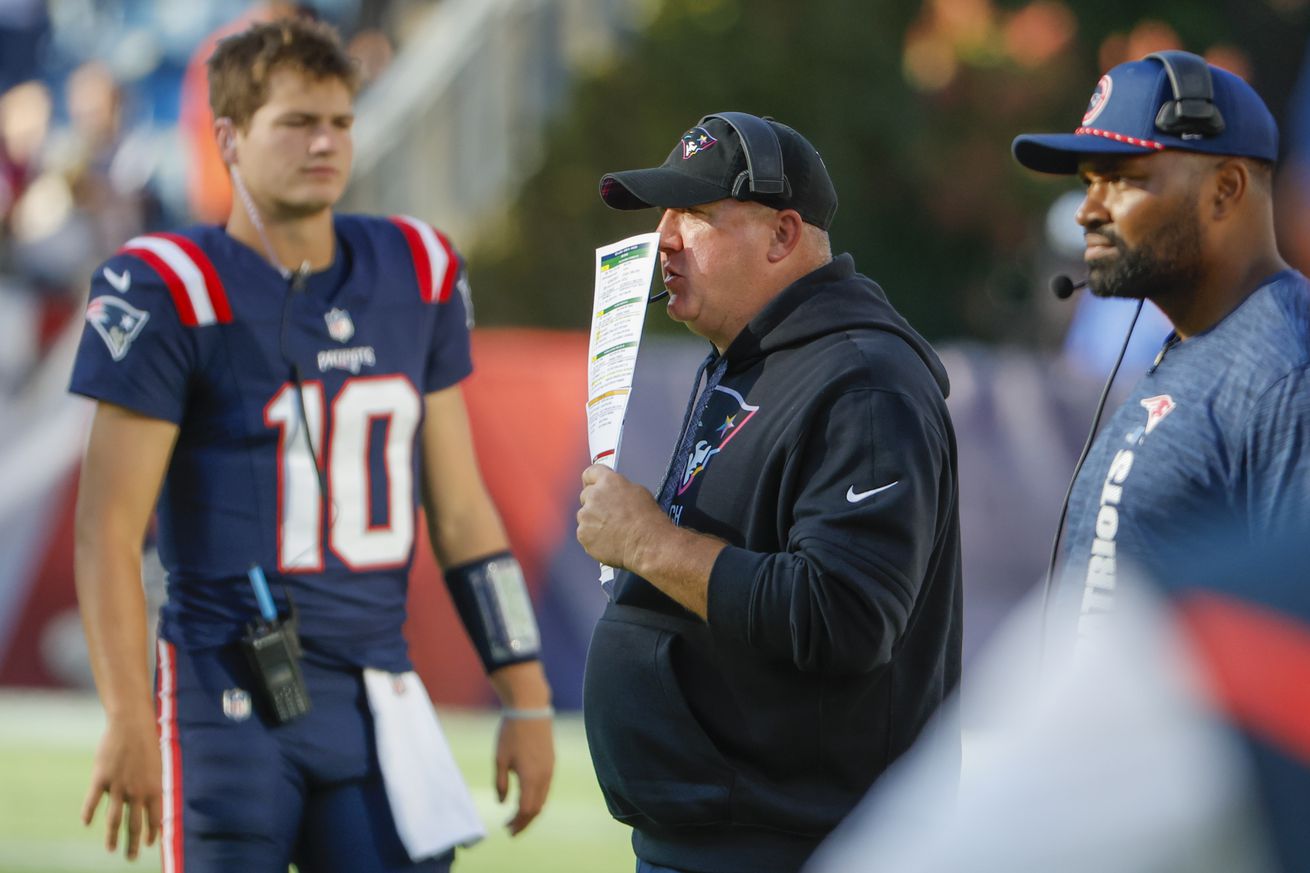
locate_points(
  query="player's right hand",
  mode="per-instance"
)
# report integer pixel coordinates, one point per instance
(128, 769)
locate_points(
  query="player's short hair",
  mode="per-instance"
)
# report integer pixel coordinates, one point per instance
(242, 65)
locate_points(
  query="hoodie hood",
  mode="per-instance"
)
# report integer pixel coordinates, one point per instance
(830, 299)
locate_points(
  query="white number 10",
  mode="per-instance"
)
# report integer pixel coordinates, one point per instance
(352, 536)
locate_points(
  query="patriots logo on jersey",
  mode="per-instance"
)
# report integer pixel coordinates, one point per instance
(695, 141)
(339, 325)
(117, 322)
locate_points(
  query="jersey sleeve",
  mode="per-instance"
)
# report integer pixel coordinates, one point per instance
(450, 360)
(443, 284)
(134, 351)
(875, 489)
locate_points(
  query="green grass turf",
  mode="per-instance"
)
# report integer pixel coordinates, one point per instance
(47, 742)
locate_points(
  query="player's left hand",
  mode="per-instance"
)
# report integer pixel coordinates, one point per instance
(525, 747)
(615, 515)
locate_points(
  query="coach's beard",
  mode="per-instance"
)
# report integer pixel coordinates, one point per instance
(1163, 268)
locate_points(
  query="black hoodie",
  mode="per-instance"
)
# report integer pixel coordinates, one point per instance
(825, 458)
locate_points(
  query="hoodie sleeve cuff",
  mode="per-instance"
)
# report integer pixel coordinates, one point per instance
(731, 590)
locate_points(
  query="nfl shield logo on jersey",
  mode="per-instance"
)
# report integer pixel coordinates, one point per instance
(236, 704)
(339, 325)
(117, 321)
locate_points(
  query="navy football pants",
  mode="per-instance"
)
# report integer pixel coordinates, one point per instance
(242, 795)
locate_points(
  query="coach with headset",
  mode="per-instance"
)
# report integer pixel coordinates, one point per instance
(787, 612)
(1177, 157)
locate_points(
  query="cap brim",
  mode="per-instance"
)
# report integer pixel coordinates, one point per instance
(1060, 153)
(658, 186)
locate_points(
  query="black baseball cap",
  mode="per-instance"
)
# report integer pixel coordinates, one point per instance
(1121, 119)
(710, 162)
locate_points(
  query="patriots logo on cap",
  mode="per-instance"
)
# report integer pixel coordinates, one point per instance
(1157, 408)
(1100, 97)
(695, 141)
(117, 321)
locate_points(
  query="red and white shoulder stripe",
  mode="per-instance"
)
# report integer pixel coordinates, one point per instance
(435, 261)
(189, 274)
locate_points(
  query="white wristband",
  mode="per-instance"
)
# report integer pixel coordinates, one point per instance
(540, 712)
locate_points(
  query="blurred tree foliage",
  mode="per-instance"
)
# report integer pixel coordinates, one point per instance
(932, 205)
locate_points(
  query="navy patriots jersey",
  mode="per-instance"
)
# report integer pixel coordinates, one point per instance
(200, 330)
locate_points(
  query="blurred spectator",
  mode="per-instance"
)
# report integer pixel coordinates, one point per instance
(25, 111)
(374, 52)
(107, 170)
(89, 195)
(72, 195)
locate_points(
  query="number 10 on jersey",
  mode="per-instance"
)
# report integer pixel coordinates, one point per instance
(351, 422)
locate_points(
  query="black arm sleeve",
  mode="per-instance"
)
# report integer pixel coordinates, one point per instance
(842, 593)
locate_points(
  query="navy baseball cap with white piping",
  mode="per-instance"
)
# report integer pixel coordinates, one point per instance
(1122, 119)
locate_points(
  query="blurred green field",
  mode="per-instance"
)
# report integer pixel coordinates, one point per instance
(47, 741)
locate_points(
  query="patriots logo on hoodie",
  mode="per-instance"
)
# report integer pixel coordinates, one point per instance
(704, 451)
(695, 141)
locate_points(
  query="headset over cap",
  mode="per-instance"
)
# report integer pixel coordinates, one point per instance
(1166, 100)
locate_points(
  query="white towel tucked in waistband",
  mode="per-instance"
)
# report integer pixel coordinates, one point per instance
(429, 800)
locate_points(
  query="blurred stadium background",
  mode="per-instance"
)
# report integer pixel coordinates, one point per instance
(494, 119)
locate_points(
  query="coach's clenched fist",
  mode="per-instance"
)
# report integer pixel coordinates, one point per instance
(615, 517)
(621, 525)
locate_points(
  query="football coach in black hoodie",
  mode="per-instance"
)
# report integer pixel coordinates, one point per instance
(787, 612)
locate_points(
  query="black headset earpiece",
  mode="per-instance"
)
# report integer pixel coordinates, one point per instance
(763, 173)
(1192, 113)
